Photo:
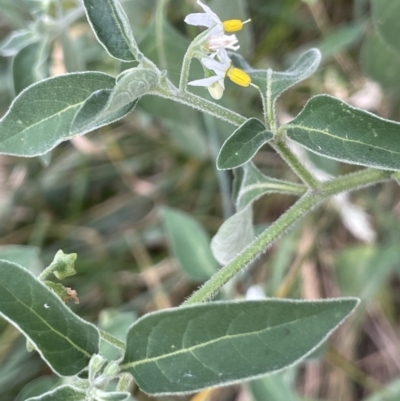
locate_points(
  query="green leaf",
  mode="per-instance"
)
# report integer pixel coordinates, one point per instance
(189, 243)
(233, 236)
(187, 349)
(30, 65)
(243, 144)
(132, 84)
(40, 117)
(332, 128)
(254, 184)
(272, 83)
(63, 393)
(16, 41)
(386, 16)
(94, 113)
(64, 341)
(381, 63)
(112, 29)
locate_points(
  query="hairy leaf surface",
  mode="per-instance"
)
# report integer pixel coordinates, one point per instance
(40, 117)
(65, 341)
(334, 129)
(112, 29)
(187, 349)
(63, 393)
(243, 144)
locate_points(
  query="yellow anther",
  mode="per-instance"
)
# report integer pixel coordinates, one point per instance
(238, 76)
(234, 25)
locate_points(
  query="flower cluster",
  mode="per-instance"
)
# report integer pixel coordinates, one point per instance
(217, 64)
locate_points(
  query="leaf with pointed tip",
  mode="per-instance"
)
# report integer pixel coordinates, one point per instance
(40, 117)
(186, 349)
(273, 83)
(233, 236)
(255, 184)
(334, 129)
(94, 113)
(386, 16)
(243, 144)
(65, 341)
(112, 29)
(63, 393)
(106, 106)
(189, 243)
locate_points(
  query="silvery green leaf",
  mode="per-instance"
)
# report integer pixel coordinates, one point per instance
(187, 349)
(41, 116)
(16, 41)
(94, 113)
(106, 106)
(254, 184)
(64, 341)
(273, 83)
(332, 128)
(132, 84)
(243, 144)
(189, 243)
(112, 29)
(63, 393)
(233, 236)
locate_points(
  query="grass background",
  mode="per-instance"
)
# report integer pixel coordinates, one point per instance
(100, 196)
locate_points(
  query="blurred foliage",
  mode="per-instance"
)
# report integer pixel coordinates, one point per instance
(100, 195)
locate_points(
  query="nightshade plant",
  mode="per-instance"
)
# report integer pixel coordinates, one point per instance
(201, 343)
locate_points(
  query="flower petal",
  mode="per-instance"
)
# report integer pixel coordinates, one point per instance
(214, 65)
(209, 11)
(205, 81)
(200, 19)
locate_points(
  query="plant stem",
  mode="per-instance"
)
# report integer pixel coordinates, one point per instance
(187, 60)
(304, 205)
(201, 104)
(281, 147)
(112, 340)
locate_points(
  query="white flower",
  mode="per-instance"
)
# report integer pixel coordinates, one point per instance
(216, 42)
(211, 20)
(222, 68)
(208, 19)
(215, 84)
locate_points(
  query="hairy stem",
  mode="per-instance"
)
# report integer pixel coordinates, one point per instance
(294, 163)
(201, 104)
(304, 205)
(112, 340)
